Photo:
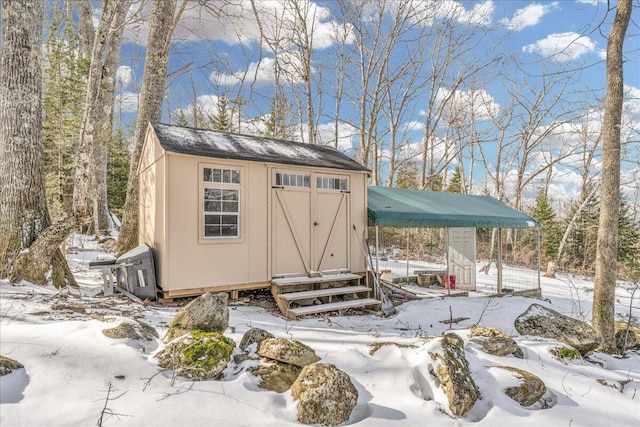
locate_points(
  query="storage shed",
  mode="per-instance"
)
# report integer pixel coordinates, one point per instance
(229, 212)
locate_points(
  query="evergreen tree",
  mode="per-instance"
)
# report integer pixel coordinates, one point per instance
(117, 172)
(221, 120)
(64, 84)
(456, 185)
(629, 235)
(551, 227)
(408, 176)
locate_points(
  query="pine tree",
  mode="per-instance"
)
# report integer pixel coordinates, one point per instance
(551, 231)
(64, 83)
(408, 176)
(221, 120)
(456, 185)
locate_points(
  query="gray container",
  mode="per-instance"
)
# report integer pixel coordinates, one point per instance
(136, 272)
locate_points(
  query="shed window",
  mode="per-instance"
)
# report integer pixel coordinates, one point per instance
(326, 183)
(221, 203)
(224, 176)
(293, 180)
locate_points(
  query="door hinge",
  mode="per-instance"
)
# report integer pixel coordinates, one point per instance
(278, 186)
(345, 191)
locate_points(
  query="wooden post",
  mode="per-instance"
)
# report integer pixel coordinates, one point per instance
(499, 260)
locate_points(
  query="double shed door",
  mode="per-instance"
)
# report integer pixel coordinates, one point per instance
(309, 223)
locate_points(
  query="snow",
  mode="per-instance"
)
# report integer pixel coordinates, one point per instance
(70, 365)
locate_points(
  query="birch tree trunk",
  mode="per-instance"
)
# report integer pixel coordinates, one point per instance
(607, 246)
(24, 218)
(149, 109)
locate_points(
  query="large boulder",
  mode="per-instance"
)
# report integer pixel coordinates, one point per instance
(208, 313)
(197, 355)
(291, 352)
(254, 335)
(8, 365)
(529, 390)
(544, 322)
(495, 342)
(276, 376)
(325, 395)
(452, 371)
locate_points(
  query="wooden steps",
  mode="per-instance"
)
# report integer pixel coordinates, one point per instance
(333, 306)
(298, 296)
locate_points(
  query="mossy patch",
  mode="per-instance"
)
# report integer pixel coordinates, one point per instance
(198, 355)
(530, 390)
(565, 353)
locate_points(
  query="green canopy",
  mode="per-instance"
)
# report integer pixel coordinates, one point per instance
(402, 207)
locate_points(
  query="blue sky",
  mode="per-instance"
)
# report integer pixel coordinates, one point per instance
(553, 39)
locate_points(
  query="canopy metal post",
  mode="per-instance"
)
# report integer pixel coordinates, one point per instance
(407, 255)
(538, 250)
(499, 260)
(447, 279)
(377, 261)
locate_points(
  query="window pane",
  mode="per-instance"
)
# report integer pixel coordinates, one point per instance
(226, 176)
(278, 179)
(212, 231)
(285, 179)
(229, 194)
(235, 177)
(307, 181)
(229, 219)
(229, 231)
(343, 184)
(230, 207)
(206, 176)
(212, 194)
(216, 175)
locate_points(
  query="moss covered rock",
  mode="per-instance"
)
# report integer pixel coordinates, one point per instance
(325, 395)
(291, 352)
(625, 338)
(276, 376)
(197, 355)
(8, 365)
(452, 370)
(544, 322)
(530, 390)
(495, 342)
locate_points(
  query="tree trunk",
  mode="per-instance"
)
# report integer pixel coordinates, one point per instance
(149, 110)
(23, 207)
(607, 246)
(91, 121)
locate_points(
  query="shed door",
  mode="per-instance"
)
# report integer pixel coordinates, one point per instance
(310, 218)
(462, 257)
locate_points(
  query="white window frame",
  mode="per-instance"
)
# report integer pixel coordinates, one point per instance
(230, 179)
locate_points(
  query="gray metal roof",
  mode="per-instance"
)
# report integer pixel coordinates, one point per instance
(223, 145)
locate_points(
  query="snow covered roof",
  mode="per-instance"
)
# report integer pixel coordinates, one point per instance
(223, 145)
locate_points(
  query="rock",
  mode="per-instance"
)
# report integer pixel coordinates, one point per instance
(208, 313)
(197, 355)
(132, 329)
(325, 395)
(292, 352)
(452, 372)
(627, 336)
(494, 341)
(530, 390)
(8, 365)
(544, 322)
(276, 376)
(254, 335)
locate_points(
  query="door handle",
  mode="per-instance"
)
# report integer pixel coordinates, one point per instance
(316, 223)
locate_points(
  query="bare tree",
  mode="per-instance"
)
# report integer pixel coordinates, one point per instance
(24, 217)
(606, 250)
(161, 26)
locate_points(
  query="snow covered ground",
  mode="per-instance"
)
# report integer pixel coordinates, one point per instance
(73, 373)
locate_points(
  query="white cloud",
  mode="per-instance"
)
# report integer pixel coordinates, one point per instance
(124, 76)
(467, 105)
(127, 102)
(263, 73)
(562, 47)
(235, 22)
(326, 135)
(428, 11)
(528, 16)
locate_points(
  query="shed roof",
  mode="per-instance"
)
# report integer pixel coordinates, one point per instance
(403, 207)
(223, 145)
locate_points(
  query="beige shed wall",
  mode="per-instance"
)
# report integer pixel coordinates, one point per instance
(152, 207)
(170, 214)
(198, 263)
